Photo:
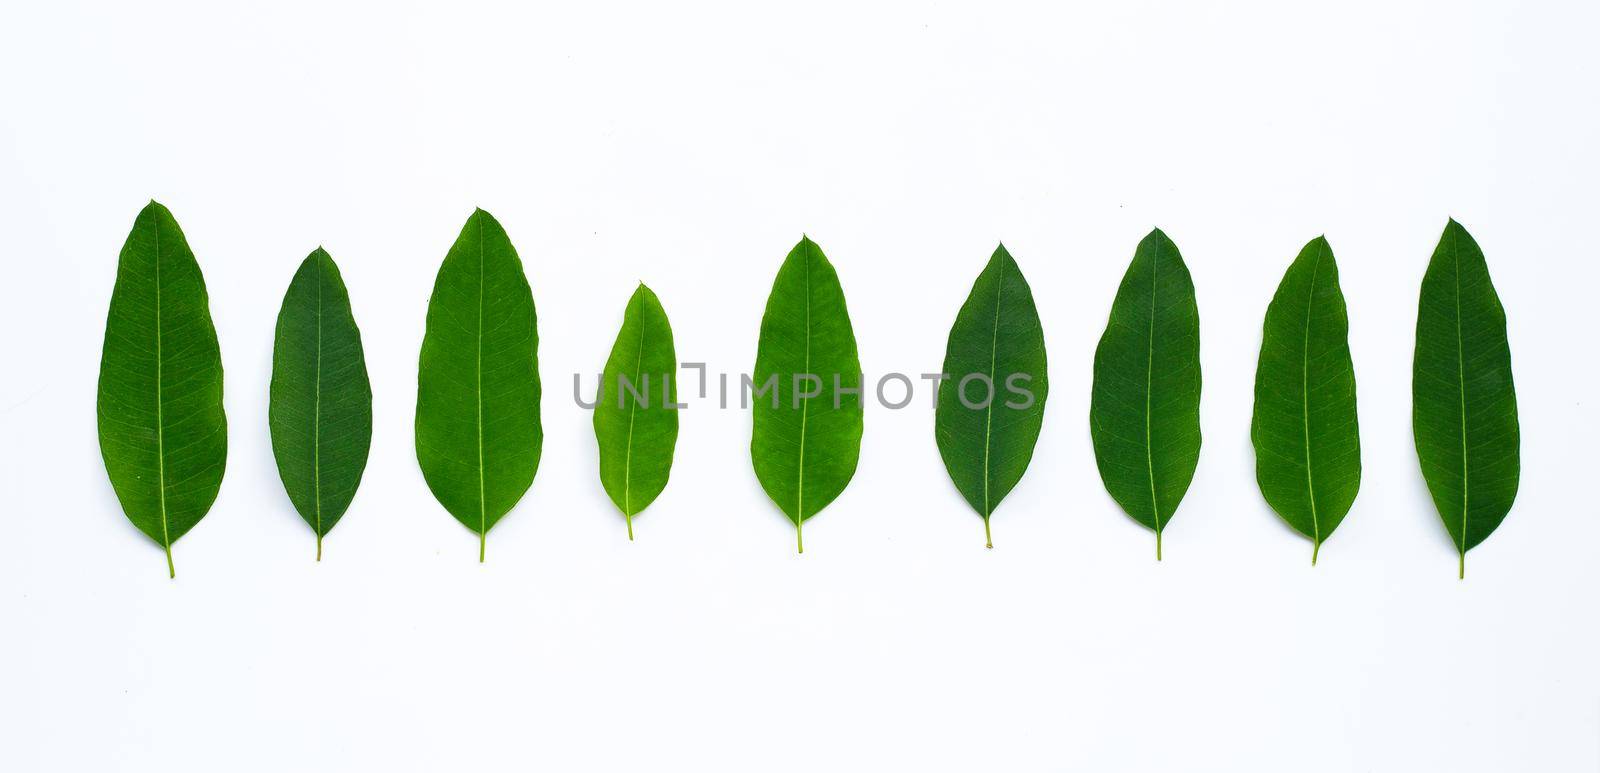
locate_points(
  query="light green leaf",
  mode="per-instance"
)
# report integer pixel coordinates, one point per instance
(1308, 446)
(163, 433)
(321, 402)
(635, 421)
(1464, 405)
(806, 434)
(1144, 413)
(990, 410)
(478, 431)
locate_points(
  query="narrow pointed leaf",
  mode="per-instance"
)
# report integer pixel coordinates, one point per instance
(320, 411)
(478, 430)
(163, 433)
(1144, 413)
(806, 434)
(1308, 446)
(1464, 404)
(992, 406)
(635, 421)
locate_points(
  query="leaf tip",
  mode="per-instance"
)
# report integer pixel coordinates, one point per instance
(1156, 238)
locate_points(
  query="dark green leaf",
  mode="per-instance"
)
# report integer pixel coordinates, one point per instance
(807, 428)
(1308, 447)
(1144, 414)
(990, 410)
(163, 434)
(321, 403)
(635, 421)
(1464, 405)
(478, 431)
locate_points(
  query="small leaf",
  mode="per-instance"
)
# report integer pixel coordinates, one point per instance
(806, 435)
(1144, 414)
(990, 410)
(163, 433)
(635, 421)
(478, 431)
(1308, 447)
(1464, 405)
(321, 402)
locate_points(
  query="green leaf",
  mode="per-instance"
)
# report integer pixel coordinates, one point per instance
(990, 410)
(635, 421)
(1144, 414)
(163, 433)
(321, 402)
(1464, 405)
(1308, 446)
(478, 431)
(806, 434)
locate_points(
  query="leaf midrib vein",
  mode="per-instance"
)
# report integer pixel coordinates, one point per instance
(1149, 381)
(316, 417)
(1461, 387)
(1305, 395)
(633, 410)
(483, 505)
(805, 403)
(161, 452)
(988, 411)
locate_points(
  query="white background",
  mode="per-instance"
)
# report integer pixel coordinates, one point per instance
(690, 146)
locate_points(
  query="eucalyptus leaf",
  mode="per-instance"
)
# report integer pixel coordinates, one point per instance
(1464, 404)
(1308, 445)
(635, 413)
(163, 433)
(320, 408)
(807, 421)
(1144, 411)
(478, 430)
(990, 409)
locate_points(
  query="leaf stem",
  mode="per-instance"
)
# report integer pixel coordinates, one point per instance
(319, 547)
(799, 538)
(1461, 566)
(172, 573)
(988, 538)
(1158, 544)
(1315, 546)
(629, 518)
(483, 540)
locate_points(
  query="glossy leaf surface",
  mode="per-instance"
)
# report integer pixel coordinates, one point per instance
(478, 430)
(320, 408)
(1307, 442)
(163, 433)
(1144, 412)
(807, 427)
(635, 422)
(991, 407)
(1464, 404)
